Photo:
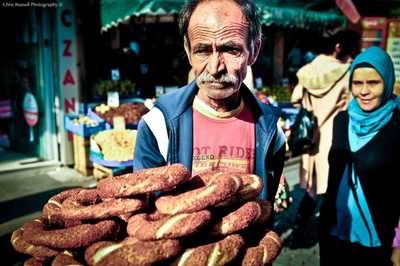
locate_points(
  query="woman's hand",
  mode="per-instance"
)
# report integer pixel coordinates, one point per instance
(396, 256)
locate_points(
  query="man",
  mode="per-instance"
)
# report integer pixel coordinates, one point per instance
(215, 123)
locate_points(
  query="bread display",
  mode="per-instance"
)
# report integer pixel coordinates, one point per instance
(116, 144)
(156, 216)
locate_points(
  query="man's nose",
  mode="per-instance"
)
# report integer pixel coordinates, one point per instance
(215, 64)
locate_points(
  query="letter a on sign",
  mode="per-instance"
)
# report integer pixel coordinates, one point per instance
(68, 78)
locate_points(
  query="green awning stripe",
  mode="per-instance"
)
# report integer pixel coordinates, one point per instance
(299, 18)
(290, 15)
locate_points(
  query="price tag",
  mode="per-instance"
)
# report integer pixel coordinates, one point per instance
(113, 99)
(115, 74)
(119, 122)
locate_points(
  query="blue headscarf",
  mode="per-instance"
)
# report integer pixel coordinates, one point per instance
(365, 125)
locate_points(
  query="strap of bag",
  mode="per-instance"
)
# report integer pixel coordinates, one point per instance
(353, 190)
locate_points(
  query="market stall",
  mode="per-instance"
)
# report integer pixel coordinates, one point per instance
(104, 136)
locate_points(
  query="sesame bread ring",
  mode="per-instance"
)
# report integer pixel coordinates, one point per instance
(256, 256)
(216, 191)
(251, 187)
(40, 253)
(95, 252)
(93, 249)
(265, 253)
(273, 243)
(65, 259)
(87, 204)
(52, 209)
(249, 190)
(251, 184)
(34, 262)
(36, 233)
(136, 253)
(239, 219)
(143, 227)
(144, 181)
(203, 179)
(218, 253)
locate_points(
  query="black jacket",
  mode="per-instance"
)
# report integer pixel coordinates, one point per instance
(378, 166)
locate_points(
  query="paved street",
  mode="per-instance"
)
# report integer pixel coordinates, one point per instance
(300, 244)
(23, 193)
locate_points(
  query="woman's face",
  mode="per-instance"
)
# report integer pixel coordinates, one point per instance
(367, 88)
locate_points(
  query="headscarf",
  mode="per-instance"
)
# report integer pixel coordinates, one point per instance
(365, 125)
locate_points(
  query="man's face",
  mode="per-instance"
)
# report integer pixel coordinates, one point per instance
(218, 50)
(367, 88)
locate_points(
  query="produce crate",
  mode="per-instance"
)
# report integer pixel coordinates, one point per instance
(100, 171)
(82, 129)
(81, 155)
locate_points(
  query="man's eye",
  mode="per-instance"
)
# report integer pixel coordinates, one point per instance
(356, 82)
(232, 51)
(201, 51)
(235, 51)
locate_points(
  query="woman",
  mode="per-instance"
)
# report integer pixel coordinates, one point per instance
(361, 208)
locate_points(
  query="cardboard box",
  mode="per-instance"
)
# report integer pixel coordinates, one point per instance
(81, 155)
(100, 171)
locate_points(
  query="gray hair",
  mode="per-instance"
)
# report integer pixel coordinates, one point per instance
(249, 10)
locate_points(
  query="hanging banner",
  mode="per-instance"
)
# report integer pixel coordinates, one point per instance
(68, 73)
(393, 45)
(349, 10)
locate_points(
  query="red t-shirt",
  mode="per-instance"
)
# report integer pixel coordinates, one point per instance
(226, 144)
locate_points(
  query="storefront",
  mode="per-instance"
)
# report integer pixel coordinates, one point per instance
(27, 68)
(39, 80)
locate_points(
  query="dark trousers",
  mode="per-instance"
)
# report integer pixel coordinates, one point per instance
(335, 252)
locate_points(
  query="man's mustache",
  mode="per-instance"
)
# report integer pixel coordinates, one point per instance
(225, 78)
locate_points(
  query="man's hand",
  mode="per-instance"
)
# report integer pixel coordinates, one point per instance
(396, 256)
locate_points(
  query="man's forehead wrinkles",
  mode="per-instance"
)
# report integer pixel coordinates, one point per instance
(199, 32)
(232, 27)
(210, 35)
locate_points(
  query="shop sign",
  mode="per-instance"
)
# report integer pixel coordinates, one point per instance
(393, 45)
(374, 31)
(67, 47)
(31, 110)
(67, 55)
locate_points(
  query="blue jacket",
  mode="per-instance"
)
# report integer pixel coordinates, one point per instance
(176, 108)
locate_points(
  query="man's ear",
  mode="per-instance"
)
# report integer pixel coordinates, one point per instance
(255, 52)
(338, 48)
(186, 45)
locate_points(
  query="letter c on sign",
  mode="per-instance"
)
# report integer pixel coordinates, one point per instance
(66, 17)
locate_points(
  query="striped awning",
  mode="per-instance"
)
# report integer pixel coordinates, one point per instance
(302, 14)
